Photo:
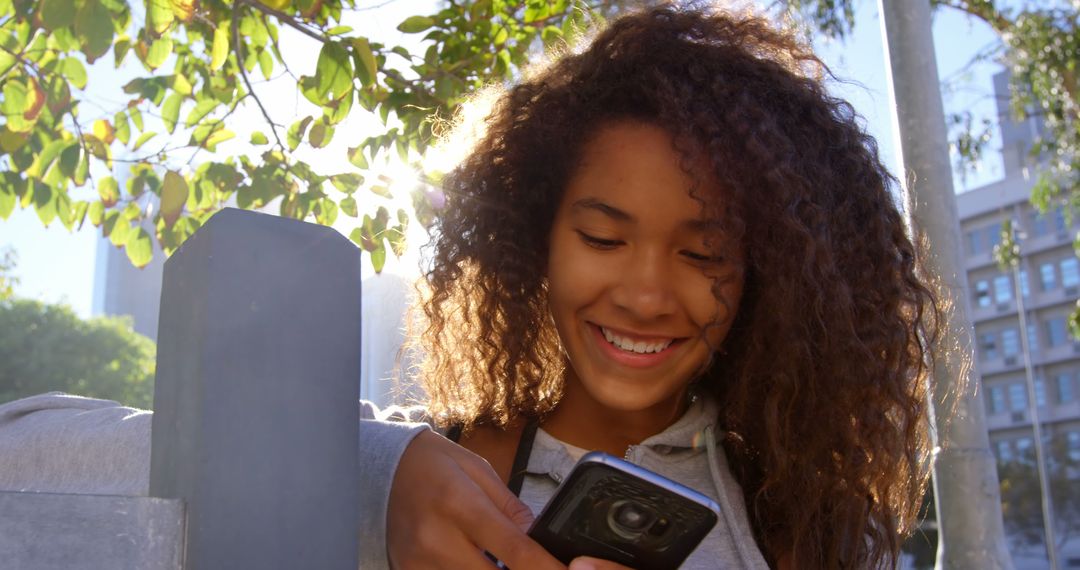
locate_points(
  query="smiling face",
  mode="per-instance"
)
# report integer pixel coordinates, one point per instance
(632, 270)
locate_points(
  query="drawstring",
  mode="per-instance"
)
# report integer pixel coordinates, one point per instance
(722, 498)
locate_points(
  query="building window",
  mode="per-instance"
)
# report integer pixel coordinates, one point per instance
(993, 236)
(988, 346)
(1004, 452)
(997, 399)
(1046, 272)
(1064, 387)
(1010, 342)
(1025, 290)
(1023, 450)
(1033, 338)
(974, 242)
(1002, 289)
(1070, 272)
(1072, 439)
(1039, 224)
(1056, 334)
(1059, 220)
(982, 293)
(1040, 393)
(1017, 398)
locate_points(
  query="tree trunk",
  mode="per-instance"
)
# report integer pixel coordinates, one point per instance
(965, 477)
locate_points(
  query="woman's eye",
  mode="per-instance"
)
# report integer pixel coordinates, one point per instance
(703, 258)
(598, 243)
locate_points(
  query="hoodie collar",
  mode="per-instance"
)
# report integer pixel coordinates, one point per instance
(550, 457)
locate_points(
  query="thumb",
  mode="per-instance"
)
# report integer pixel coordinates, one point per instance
(586, 563)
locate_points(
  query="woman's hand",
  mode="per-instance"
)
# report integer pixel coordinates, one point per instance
(586, 563)
(447, 506)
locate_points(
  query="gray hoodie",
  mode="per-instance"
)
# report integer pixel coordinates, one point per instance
(68, 444)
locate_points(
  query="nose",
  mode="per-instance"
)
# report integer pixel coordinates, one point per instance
(645, 287)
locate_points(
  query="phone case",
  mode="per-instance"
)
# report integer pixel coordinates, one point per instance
(612, 509)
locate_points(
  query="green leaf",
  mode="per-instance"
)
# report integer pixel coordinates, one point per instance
(63, 209)
(94, 27)
(159, 51)
(7, 201)
(74, 71)
(348, 206)
(378, 258)
(326, 212)
(416, 24)
(78, 213)
(82, 171)
(381, 190)
(182, 9)
(174, 194)
(136, 117)
(10, 141)
(57, 13)
(296, 132)
(96, 212)
(333, 72)
(159, 16)
(44, 203)
(69, 159)
(266, 63)
(118, 228)
(219, 50)
(139, 247)
(217, 137)
(109, 191)
(181, 85)
(170, 111)
(123, 130)
(143, 138)
(202, 109)
(339, 30)
(366, 67)
(347, 183)
(320, 134)
(120, 49)
(257, 138)
(357, 158)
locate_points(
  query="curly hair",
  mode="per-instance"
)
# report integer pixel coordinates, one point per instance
(823, 377)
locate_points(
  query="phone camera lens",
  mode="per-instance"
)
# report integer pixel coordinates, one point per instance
(631, 517)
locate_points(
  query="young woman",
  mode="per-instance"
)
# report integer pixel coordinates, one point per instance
(673, 246)
(677, 247)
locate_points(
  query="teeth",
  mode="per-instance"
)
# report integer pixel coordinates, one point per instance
(640, 347)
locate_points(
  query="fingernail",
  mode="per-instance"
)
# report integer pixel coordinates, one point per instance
(582, 564)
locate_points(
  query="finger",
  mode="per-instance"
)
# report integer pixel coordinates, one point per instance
(506, 502)
(492, 529)
(587, 563)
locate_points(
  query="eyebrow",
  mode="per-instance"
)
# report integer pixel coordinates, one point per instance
(604, 208)
(694, 225)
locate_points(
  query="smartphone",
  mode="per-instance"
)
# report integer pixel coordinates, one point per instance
(612, 509)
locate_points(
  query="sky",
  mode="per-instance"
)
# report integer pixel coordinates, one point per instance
(55, 265)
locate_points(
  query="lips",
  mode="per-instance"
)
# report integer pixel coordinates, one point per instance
(632, 350)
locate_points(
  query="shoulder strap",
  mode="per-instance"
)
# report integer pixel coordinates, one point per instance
(454, 433)
(521, 458)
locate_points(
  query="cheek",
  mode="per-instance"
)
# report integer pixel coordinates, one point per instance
(715, 316)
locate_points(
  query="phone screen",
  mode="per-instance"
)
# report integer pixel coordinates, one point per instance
(611, 509)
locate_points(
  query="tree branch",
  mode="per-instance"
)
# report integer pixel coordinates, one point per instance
(282, 17)
(237, 44)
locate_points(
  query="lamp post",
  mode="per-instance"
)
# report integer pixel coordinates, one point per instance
(1007, 254)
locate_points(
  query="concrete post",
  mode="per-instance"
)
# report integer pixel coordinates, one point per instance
(256, 422)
